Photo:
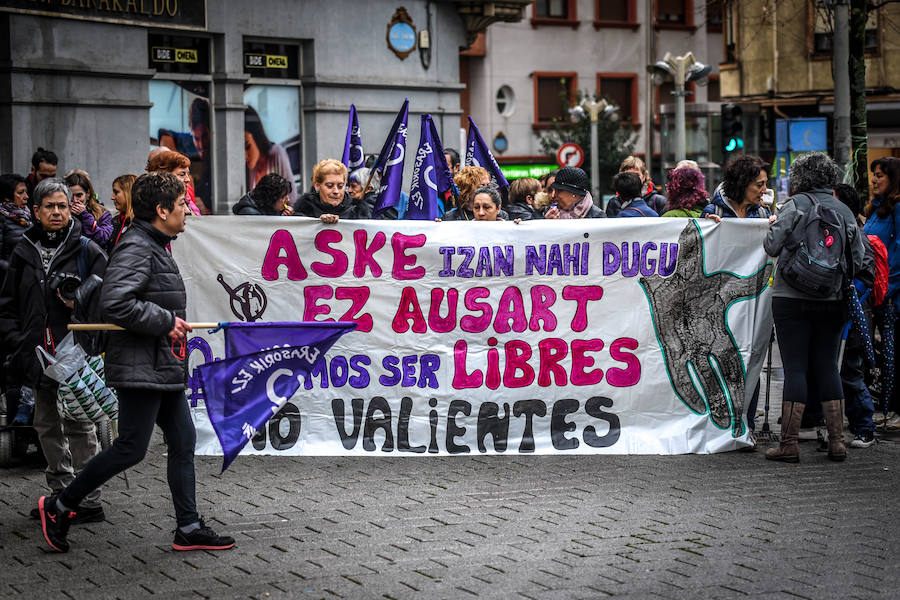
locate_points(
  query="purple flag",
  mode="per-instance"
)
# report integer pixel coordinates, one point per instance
(431, 180)
(353, 151)
(392, 163)
(261, 371)
(389, 142)
(479, 155)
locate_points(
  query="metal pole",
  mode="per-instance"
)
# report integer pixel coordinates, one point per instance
(680, 150)
(841, 71)
(595, 160)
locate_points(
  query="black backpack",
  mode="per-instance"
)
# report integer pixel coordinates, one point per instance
(814, 258)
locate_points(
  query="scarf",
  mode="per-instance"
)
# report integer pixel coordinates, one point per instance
(16, 213)
(580, 208)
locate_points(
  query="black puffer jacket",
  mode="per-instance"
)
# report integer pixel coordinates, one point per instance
(143, 292)
(11, 232)
(247, 205)
(28, 307)
(310, 205)
(520, 210)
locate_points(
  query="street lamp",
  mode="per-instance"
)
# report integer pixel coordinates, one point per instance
(680, 69)
(593, 108)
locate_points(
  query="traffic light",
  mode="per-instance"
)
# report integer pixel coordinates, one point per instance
(732, 127)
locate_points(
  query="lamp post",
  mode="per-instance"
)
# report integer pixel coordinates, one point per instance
(593, 108)
(680, 70)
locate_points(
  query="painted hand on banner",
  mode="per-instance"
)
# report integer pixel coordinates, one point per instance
(690, 316)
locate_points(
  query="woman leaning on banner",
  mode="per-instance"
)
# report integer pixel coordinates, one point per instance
(883, 219)
(330, 200)
(809, 329)
(743, 193)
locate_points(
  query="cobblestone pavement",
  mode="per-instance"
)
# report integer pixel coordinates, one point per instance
(722, 526)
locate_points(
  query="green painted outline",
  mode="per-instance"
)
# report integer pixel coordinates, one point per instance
(727, 329)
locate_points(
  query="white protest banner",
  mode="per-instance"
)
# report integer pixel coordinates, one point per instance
(617, 336)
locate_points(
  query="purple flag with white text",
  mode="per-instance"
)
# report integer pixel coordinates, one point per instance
(263, 367)
(353, 157)
(391, 159)
(479, 155)
(431, 179)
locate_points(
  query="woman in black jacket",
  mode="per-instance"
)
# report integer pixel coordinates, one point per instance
(146, 362)
(269, 197)
(15, 216)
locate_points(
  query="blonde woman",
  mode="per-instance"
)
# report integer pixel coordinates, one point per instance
(121, 198)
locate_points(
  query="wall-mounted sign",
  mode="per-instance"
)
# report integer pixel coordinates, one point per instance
(401, 34)
(272, 60)
(178, 53)
(160, 13)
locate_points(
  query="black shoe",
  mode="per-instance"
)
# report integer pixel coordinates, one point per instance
(82, 515)
(201, 539)
(54, 523)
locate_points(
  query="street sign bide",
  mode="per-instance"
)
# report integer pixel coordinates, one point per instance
(570, 154)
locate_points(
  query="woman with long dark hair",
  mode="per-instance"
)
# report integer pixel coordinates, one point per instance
(96, 221)
(883, 219)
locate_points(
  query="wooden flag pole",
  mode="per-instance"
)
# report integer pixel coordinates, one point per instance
(111, 327)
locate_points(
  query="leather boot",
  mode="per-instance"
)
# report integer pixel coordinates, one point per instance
(834, 420)
(788, 449)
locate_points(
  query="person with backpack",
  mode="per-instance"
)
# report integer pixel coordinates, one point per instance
(883, 220)
(628, 187)
(819, 247)
(36, 304)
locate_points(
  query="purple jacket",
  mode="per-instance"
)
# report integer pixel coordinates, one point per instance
(99, 231)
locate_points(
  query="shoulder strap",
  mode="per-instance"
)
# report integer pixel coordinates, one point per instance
(83, 267)
(719, 210)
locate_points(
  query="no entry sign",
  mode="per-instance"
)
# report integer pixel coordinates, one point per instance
(570, 154)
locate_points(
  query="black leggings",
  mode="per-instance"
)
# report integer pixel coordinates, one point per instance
(809, 338)
(139, 410)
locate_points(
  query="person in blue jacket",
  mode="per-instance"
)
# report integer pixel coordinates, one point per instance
(742, 192)
(628, 187)
(883, 219)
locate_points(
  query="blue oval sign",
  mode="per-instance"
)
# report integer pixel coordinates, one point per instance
(402, 37)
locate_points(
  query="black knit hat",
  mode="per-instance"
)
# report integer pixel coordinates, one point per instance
(572, 179)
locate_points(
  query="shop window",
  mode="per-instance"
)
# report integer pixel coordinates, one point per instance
(674, 14)
(621, 90)
(713, 91)
(823, 28)
(615, 13)
(554, 12)
(714, 16)
(554, 94)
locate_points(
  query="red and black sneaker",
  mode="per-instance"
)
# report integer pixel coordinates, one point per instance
(54, 523)
(203, 538)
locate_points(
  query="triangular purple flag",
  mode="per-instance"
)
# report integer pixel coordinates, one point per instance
(479, 155)
(245, 390)
(431, 180)
(353, 157)
(392, 175)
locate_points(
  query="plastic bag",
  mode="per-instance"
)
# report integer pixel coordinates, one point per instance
(82, 395)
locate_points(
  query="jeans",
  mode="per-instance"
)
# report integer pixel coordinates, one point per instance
(139, 409)
(809, 338)
(859, 406)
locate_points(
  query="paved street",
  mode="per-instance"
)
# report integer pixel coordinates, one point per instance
(722, 526)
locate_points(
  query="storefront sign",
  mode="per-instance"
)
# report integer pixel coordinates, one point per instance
(178, 53)
(271, 60)
(518, 171)
(166, 13)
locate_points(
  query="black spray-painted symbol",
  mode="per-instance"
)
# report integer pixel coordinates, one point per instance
(248, 300)
(689, 311)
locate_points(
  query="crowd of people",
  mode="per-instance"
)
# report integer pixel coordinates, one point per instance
(52, 227)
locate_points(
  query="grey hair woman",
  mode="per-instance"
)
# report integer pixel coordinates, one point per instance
(809, 328)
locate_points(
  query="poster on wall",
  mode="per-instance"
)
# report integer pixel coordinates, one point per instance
(179, 121)
(272, 135)
(601, 336)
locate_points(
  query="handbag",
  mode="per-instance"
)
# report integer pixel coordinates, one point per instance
(82, 395)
